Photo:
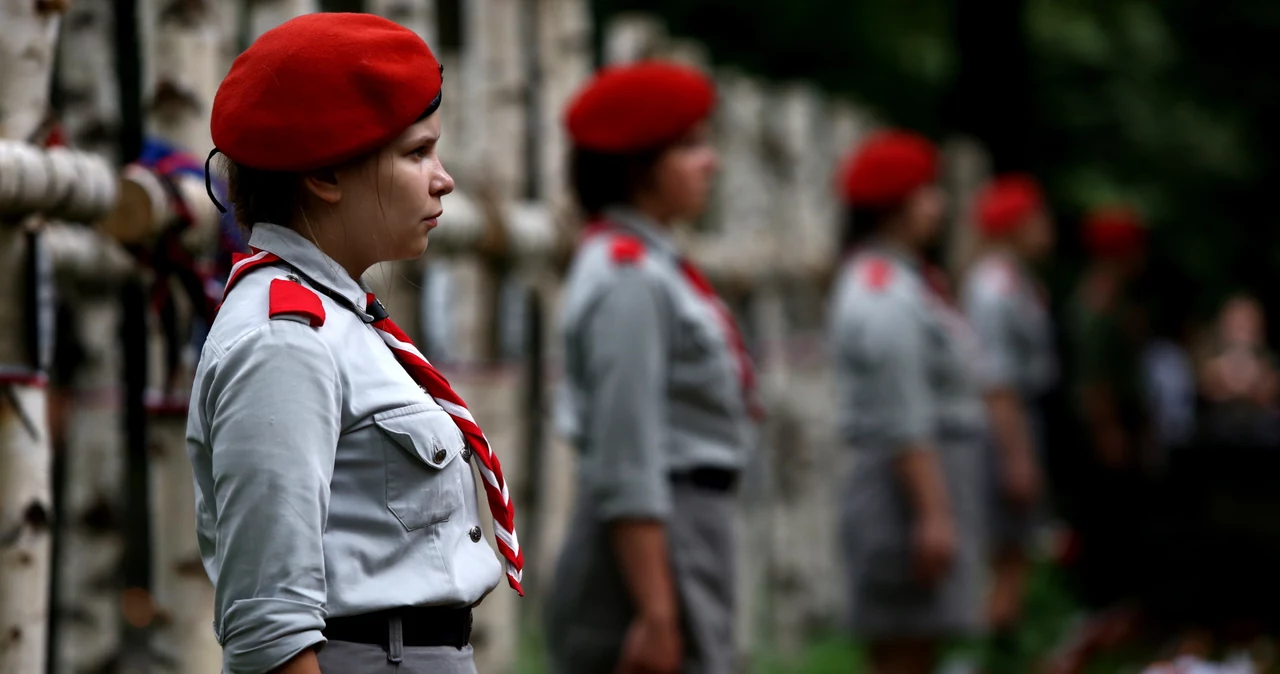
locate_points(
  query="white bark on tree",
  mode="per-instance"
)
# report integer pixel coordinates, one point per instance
(87, 74)
(87, 265)
(633, 37)
(27, 44)
(496, 56)
(184, 43)
(88, 575)
(183, 639)
(267, 14)
(418, 16)
(25, 545)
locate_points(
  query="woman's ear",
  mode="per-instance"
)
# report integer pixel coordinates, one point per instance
(324, 184)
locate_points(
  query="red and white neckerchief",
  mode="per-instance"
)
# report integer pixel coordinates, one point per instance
(436, 386)
(743, 366)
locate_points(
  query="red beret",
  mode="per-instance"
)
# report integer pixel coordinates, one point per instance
(638, 107)
(321, 89)
(1114, 231)
(887, 168)
(1006, 202)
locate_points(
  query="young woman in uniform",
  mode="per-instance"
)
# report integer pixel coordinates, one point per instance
(336, 503)
(910, 410)
(1007, 307)
(658, 391)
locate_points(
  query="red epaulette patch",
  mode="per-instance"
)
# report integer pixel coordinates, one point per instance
(627, 250)
(291, 297)
(877, 273)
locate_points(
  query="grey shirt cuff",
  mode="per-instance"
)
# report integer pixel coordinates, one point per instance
(260, 635)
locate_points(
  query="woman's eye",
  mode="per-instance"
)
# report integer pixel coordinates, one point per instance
(421, 152)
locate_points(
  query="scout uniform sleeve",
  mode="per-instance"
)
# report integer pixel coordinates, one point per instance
(273, 405)
(991, 319)
(897, 344)
(626, 360)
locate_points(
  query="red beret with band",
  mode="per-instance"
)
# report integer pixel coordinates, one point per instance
(1006, 203)
(321, 89)
(1114, 231)
(637, 107)
(886, 168)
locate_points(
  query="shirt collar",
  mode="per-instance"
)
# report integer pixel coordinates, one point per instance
(634, 222)
(310, 262)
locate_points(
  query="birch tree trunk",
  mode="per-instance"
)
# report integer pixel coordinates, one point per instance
(267, 14)
(564, 52)
(184, 45)
(28, 33)
(87, 617)
(90, 541)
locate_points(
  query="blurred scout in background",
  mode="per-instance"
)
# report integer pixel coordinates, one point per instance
(660, 391)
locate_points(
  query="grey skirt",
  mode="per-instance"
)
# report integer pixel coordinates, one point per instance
(590, 609)
(885, 599)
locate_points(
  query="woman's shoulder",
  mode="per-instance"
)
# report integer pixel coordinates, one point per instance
(269, 304)
(607, 260)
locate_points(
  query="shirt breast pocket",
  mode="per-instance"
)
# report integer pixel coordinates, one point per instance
(421, 445)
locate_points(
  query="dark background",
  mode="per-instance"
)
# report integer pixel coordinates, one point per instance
(1171, 106)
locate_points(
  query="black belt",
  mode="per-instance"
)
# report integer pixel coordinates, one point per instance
(711, 479)
(421, 627)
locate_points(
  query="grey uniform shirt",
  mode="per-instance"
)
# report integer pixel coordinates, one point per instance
(903, 358)
(1005, 306)
(320, 487)
(651, 385)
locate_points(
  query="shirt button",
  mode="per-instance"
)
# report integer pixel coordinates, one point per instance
(475, 534)
(466, 453)
(439, 455)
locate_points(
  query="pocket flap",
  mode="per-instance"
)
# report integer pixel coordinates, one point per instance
(423, 430)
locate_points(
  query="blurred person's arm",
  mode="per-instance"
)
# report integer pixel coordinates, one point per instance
(990, 310)
(897, 341)
(1013, 441)
(934, 532)
(626, 463)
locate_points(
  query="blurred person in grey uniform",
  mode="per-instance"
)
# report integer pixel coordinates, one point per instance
(658, 396)
(1008, 308)
(336, 503)
(910, 409)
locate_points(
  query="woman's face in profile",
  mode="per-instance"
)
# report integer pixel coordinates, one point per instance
(392, 199)
(922, 215)
(682, 177)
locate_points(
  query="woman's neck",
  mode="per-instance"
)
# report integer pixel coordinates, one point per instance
(653, 211)
(324, 236)
(895, 241)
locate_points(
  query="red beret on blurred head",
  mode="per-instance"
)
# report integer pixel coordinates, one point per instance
(321, 89)
(638, 107)
(1006, 203)
(886, 168)
(1114, 231)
